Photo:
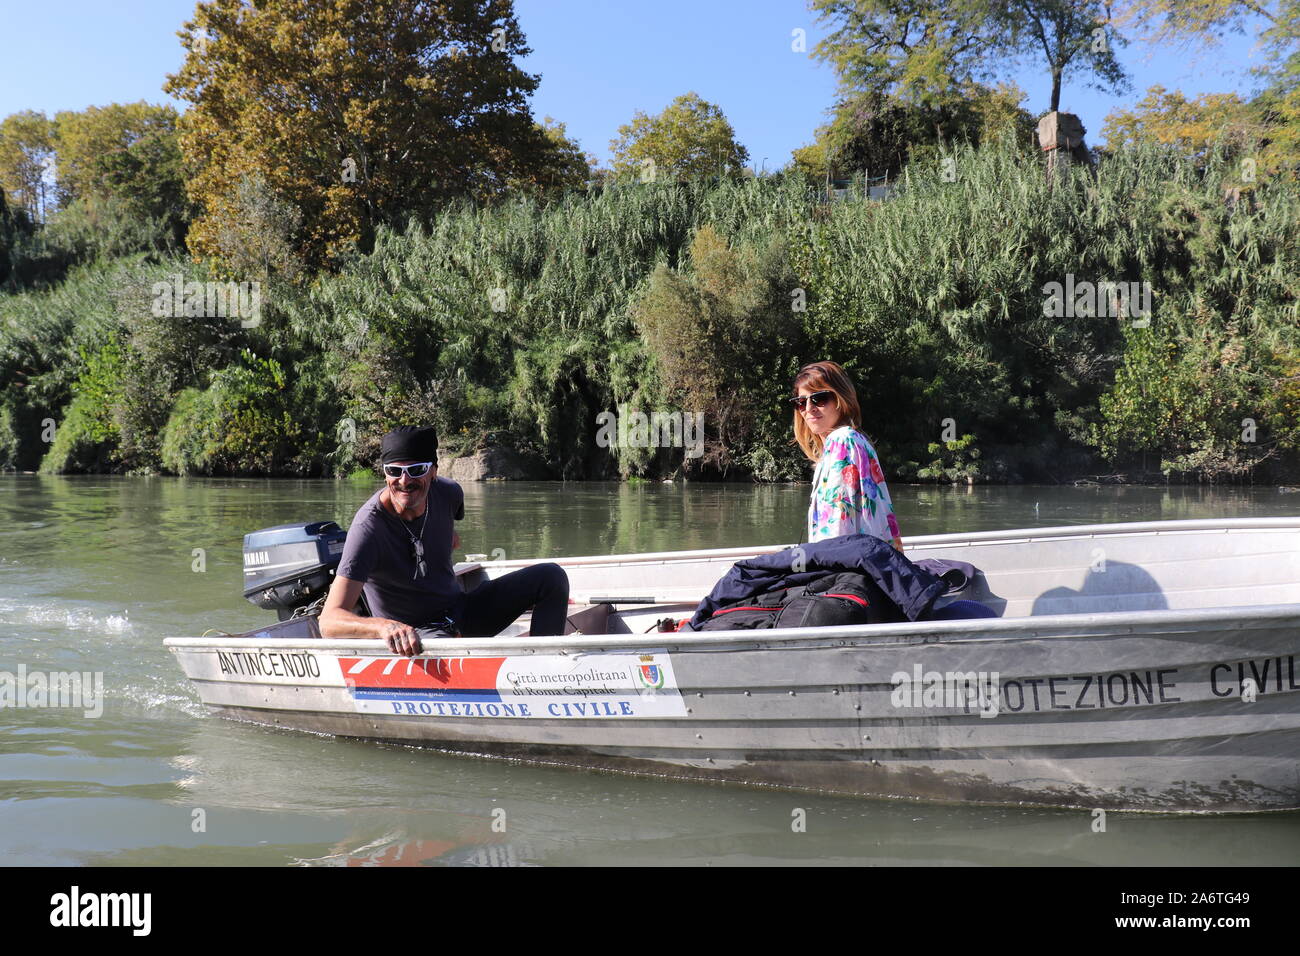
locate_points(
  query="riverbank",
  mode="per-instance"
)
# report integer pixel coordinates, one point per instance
(663, 305)
(467, 473)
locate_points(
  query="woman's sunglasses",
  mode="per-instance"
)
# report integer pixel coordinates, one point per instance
(818, 399)
(418, 470)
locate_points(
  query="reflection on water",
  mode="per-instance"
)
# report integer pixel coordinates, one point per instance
(95, 572)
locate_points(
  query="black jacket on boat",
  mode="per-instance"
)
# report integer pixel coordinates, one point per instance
(911, 587)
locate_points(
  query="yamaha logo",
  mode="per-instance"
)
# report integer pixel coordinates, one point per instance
(252, 558)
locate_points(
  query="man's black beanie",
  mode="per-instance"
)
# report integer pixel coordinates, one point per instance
(410, 443)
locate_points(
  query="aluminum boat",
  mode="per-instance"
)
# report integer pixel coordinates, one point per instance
(1144, 666)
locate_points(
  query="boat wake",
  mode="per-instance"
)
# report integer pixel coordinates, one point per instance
(61, 616)
(151, 700)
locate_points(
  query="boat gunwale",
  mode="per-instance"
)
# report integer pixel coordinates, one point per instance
(948, 539)
(1049, 627)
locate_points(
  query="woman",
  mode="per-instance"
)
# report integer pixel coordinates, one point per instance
(848, 494)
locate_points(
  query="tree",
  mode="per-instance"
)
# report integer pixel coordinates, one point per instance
(147, 178)
(1279, 109)
(1171, 119)
(1205, 22)
(1072, 36)
(564, 165)
(125, 158)
(357, 113)
(914, 50)
(927, 51)
(256, 236)
(85, 142)
(26, 150)
(690, 139)
(1183, 393)
(881, 134)
(15, 227)
(721, 332)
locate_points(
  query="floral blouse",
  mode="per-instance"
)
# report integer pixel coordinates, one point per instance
(849, 494)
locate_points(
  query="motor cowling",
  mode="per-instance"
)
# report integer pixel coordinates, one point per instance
(291, 565)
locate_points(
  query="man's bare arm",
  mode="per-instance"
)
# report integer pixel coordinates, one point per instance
(337, 620)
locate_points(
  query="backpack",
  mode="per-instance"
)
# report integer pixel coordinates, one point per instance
(837, 599)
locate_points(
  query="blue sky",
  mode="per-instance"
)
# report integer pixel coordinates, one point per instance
(600, 61)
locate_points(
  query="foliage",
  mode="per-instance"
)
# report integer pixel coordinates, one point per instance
(928, 51)
(956, 460)
(43, 336)
(191, 438)
(1204, 23)
(50, 342)
(354, 114)
(1072, 36)
(1194, 399)
(124, 152)
(257, 237)
(100, 389)
(690, 138)
(1210, 388)
(105, 227)
(878, 134)
(1279, 109)
(935, 299)
(75, 447)
(89, 434)
(10, 440)
(15, 232)
(1192, 126)
(119, 188)
(242, 424)
(916, 50)
(723, 336)
(1208, 21)
(521, 322)
(562, 166)
(515, 320)
(26, 149)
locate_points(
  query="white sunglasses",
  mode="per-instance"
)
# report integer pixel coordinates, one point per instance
(417, 470)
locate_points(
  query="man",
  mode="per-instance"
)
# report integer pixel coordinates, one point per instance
(398, 551)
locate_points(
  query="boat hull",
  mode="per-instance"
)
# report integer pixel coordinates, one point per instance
(1086, 711)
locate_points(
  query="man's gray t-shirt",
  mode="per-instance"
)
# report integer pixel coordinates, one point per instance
(379, 552)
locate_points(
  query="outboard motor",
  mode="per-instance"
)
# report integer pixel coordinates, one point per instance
(291, 566)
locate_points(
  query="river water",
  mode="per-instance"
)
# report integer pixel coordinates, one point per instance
(95, 572)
